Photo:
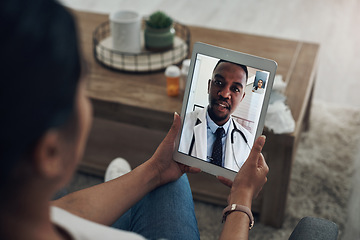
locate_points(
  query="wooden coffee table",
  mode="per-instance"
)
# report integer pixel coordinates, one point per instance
(141, 100)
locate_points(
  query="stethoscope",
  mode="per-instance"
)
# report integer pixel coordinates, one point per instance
(231, 135)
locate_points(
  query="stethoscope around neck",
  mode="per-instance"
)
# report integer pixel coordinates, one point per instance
(231, 136)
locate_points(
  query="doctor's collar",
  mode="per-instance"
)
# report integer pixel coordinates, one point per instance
(213, 126)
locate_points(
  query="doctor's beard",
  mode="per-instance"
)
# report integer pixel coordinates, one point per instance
(216, 118)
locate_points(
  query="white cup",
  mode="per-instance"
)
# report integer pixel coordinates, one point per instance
(125, 27)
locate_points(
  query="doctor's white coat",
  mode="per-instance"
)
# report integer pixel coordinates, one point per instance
(195, 129)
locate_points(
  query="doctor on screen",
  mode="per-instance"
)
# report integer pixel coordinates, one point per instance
(211, 134)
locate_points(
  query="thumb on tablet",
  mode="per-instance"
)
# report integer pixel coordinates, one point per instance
(254, 156)
(171, 135)
(252, 174)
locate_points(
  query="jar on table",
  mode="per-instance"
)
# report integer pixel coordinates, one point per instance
(172, 74)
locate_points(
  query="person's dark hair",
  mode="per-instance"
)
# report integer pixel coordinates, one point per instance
(240, 65)
(256, 85)
(39, 71)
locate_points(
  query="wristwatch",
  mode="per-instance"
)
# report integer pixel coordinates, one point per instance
(234, 207)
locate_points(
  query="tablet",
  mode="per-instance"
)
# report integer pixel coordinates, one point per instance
(224, 107)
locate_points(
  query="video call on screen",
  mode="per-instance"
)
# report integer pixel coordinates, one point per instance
(243, 122)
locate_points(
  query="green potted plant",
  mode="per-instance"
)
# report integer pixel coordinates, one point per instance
(159, 32)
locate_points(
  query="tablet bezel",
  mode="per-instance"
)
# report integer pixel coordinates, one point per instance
(232, 56)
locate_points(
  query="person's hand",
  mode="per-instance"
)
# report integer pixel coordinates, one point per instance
(251, 177)
(162, 160)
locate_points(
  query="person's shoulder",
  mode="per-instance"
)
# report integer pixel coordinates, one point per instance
(259, 90)
(80, 228)
(249, 136)
(195, 113)
(238, 125)
(192, 118)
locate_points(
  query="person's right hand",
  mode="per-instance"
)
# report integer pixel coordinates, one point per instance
(168, 170)
(250, 178)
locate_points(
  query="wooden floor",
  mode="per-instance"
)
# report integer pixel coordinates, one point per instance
(332, 23)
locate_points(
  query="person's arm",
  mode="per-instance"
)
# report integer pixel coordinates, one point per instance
(104, 203)
(246, 186)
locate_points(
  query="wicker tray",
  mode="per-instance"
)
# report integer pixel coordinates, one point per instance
(146, 61)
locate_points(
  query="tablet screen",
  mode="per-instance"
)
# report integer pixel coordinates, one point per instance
(223, 107)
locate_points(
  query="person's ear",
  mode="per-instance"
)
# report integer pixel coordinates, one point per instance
(47, 158)
(209, 83)
(243, 96)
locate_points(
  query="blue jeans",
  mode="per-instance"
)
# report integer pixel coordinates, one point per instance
(165, 213)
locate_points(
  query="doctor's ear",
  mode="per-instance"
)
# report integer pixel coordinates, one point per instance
(209, 83)
(243, 97)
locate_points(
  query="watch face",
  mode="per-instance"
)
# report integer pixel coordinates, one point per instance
(251, 225)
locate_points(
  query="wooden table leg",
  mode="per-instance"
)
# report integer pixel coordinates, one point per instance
(278, 152)
(306, 120)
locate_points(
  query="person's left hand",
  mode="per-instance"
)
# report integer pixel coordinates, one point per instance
(163, 161)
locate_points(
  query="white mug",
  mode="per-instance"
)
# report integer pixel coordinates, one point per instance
(125, 27)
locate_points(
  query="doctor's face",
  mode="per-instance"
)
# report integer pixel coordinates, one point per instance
(226, 90)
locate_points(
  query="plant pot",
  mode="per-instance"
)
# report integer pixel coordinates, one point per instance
(159, 39)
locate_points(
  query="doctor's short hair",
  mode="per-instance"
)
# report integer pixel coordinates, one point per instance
(238, 64)
(40, 67)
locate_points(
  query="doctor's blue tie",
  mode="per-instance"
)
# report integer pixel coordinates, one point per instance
(216, 156)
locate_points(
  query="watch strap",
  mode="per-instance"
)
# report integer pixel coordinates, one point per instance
(235, 207)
